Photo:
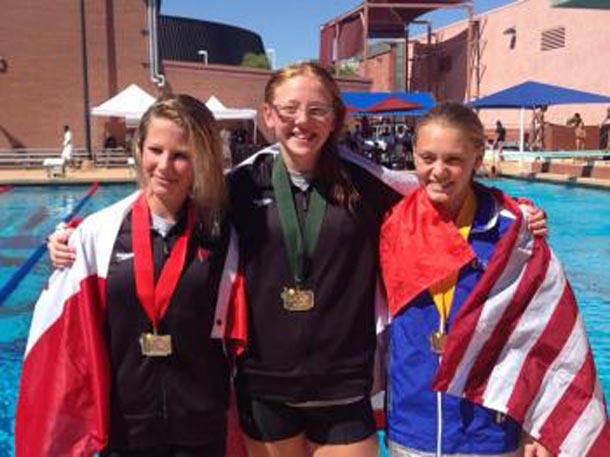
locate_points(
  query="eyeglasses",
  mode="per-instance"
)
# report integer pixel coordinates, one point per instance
(290, 112)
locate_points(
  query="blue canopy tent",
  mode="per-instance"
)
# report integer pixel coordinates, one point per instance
(532, 94)
(387, 103)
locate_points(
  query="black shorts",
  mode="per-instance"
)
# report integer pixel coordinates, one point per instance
(265, 420)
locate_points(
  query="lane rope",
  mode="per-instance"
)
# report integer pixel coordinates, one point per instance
(24, 269)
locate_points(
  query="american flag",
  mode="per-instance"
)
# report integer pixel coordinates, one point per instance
(518, 344)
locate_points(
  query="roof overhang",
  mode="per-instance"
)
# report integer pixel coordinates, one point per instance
(343, 36)
(600, 4)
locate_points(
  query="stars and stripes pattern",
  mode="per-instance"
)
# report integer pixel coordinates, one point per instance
(518, 346)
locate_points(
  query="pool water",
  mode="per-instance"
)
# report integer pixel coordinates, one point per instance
(580, 236)
(30, 213)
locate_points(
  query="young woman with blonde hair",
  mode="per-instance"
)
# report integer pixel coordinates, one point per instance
(125, 364)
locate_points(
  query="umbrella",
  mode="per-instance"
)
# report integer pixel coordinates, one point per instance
(411, 103)
(532, 94)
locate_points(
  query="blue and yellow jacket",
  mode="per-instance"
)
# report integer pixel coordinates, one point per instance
(419, 418)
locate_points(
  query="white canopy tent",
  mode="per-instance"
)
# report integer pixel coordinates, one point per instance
(221, 112)
(130, 103)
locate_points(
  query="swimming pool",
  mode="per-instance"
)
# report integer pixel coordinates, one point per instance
(580, 235)
(30, 214)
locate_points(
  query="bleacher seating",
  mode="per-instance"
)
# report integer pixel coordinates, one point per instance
(109, 158)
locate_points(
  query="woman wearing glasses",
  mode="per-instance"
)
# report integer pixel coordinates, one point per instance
(308, 226)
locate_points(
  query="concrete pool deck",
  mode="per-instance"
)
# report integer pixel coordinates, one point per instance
(510, 169)
(80, 176)
(527, 171)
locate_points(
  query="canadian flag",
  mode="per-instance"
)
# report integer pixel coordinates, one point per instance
(63, 404)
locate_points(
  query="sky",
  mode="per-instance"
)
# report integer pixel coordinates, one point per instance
(289, 27)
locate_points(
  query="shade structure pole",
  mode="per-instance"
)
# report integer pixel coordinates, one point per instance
(85, 70)
(365, 38)
(522, 130)
(336, 43)
(469, 51)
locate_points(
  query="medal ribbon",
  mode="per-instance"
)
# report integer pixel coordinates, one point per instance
(443, 291)
(156, 298)
(299, 246)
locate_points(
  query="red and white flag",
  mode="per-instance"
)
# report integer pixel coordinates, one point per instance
(63, 396)
(63, 404)
(518, 344)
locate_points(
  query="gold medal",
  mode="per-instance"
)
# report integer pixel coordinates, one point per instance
(297, 299)
(500, 418)
(154, 345)
(437, 342)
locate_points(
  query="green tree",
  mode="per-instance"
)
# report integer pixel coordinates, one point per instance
(253, 60)
(344, 70)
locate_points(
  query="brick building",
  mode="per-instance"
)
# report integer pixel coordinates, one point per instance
(42, 70)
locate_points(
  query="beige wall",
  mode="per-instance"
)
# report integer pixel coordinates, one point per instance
(581, 64)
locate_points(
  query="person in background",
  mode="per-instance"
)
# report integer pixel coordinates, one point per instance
(128, 141)
(476, 302)
(225, 138)
(67, 148)
(496, 149)
(499, 140)
(119, 358)
(580, 132)
(604, 132)
(110, 142)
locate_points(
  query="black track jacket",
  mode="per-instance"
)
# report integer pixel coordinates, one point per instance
(325, 353)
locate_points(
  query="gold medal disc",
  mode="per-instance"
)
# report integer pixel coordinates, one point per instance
(154, 345)
(297, 299)
(437, 342)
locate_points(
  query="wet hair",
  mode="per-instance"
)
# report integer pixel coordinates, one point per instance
(457, 116)
(209, 193)
(328, 171)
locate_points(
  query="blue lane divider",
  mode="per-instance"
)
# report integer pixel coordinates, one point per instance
(24, 269)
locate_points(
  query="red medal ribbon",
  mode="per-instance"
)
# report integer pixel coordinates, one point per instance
(156, 299)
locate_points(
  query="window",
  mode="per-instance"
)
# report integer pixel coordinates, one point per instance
(553, 39)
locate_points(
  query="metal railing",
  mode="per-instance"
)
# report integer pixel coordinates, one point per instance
(34, 158)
